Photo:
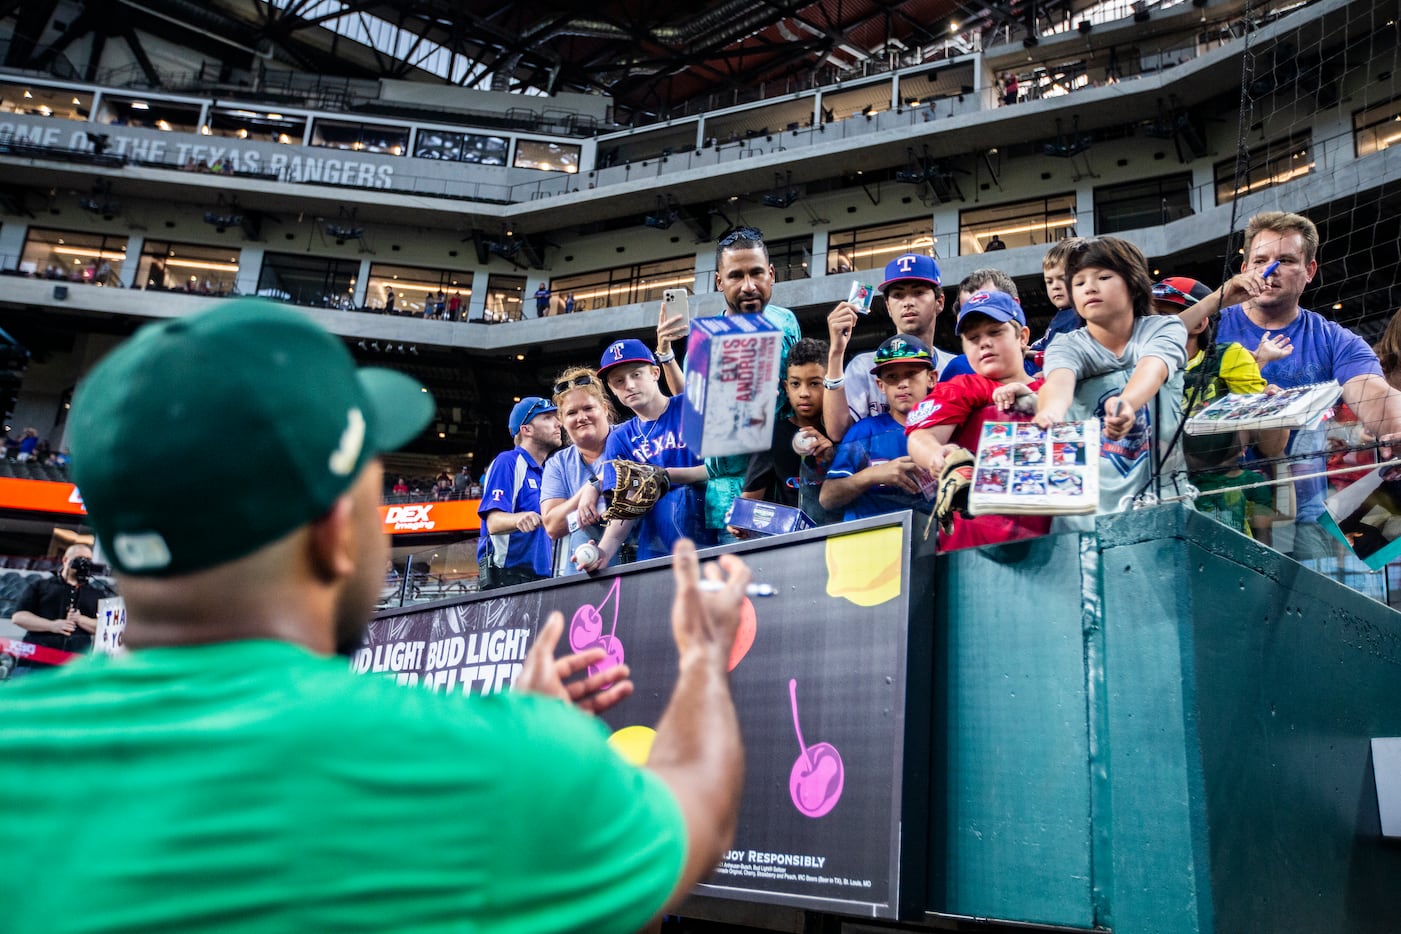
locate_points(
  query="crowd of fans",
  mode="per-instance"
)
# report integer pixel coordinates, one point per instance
(29, 448)
(401, 488)
(883, 431)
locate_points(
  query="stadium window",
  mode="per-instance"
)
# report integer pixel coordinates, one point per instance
(61, 103)
(1376, 128)
(1149, 203)
(1277, 162)
(186, 267)
(72, 256)
(156, 114)
(791, 259)
(415, 288)
(873, 247)
(258, 126)
(503, 297)
(546, 156)
(307, 280)
(360, 137)
(1035, 222)
(626, 285)
(460, 147)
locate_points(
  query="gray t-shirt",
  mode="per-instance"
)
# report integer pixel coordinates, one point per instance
(1125, 465)
(565, 474)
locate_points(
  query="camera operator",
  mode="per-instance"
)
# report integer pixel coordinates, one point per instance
(60, 612)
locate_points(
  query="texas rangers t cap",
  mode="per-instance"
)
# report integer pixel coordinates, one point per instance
(629, 350)
(203, 438)
(911, 266)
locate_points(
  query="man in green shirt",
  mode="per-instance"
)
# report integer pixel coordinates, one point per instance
(230, 773)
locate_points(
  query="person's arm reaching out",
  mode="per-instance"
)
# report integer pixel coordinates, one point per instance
(697, 751)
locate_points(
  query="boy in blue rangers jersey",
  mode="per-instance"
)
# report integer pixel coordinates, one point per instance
(873, 472)
(652, 436)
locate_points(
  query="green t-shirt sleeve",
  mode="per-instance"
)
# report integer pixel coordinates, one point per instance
(588, 842)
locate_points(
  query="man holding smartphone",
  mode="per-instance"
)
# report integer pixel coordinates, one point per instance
(744, 275)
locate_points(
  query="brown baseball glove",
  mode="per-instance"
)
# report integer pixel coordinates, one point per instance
(954, 482)
(639, 488)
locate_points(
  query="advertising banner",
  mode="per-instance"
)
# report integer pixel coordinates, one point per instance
(41, 496)
(459, 515)
(818, 673)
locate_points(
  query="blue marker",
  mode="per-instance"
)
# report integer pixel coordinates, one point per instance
(1269, 270)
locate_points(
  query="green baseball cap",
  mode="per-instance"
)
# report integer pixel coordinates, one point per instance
(203, 438)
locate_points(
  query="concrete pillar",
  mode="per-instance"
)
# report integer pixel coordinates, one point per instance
(12, 244)
(134, 245)
(362, 285)
(476, 308)
(250, 266)
(817, 263)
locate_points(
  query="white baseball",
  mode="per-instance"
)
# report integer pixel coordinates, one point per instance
(803, 444)
(585, 554)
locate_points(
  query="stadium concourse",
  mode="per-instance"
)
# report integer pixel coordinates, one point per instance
(485, 197)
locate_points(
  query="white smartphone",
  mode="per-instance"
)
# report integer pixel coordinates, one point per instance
(677, 303)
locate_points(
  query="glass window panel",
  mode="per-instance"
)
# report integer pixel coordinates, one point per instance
(1034, 222)
(791, 259)
(61, 103)
(1377, 128)
(187, 267)
(73, 256)
(262, 126)
(626, 285)
(438, 293)
(360, 137)
(1272, 164)
(546, 156)
(308, 280)
(1147, 203)
(146, 112)
(461, 147)
(872, 247)
(503, 297)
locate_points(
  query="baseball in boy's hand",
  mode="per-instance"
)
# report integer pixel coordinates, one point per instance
(803, 444)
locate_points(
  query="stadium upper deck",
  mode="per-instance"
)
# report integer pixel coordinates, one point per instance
(121, 204)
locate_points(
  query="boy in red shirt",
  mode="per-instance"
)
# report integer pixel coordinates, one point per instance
(994, 332)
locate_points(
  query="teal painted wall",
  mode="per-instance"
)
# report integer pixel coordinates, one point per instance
(1159, 728)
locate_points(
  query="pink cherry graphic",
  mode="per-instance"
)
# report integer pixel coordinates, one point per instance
(587, 624)
(613, 654)
(818, 776)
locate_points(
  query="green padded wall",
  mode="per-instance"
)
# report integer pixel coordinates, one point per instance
(1161, 727)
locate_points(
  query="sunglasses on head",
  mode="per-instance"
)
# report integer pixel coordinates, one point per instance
(742, 233)
(577, 382)
(1163, 290)
(535, 409)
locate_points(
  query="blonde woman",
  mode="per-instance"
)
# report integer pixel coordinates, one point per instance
(587, 417)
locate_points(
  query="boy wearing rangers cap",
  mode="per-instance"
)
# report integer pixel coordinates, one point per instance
(872, 472)
(651, 436)
(914, 299)
(947, 425)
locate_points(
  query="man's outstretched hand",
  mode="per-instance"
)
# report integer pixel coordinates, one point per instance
(544, 674)
(706, 617)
